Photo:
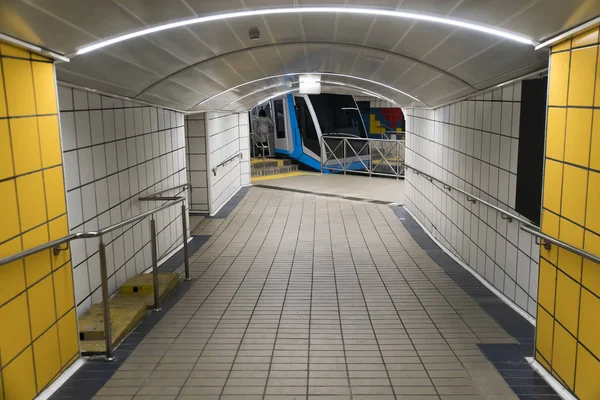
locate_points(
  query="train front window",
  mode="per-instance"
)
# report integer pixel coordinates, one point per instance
(338, 114)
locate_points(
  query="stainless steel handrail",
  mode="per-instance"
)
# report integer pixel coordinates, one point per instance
(239, 154)
(549, 240)
(55, 244)
(474, 199)
(155, 194)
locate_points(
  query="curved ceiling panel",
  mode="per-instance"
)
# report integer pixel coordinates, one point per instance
(183, 66)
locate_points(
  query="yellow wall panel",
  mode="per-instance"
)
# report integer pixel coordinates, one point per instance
(47, 357)
(19, 378)
(547, 284)
(25, 145)
(13, 51)
(592, 217)
(68, 337)
(589, 329)
(12, 276)
(15, 339)
(37, 265)
(582, 72)
(555, 138)
(553, 177)
(586, 38)
(563, 355)
(55, 192)
(544, 333)
(58, 228)
(30, 191)
(18, 85)
(550, 226)
(45, 91)
(595, 152)
(6, 161)
(567, 302)
(588, 371)
(63, 289)
(31, 187)
(573, 194)
(562, 46)
(569, 262)
(2, 98)
(591, 270)
(559, 79)
(41, 306)
(578, 136)
(49, 141)
(8, 204)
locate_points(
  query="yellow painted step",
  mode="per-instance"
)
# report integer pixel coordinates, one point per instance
(142, 286)
(127, 309)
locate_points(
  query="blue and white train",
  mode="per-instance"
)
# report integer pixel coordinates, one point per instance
(302, 121)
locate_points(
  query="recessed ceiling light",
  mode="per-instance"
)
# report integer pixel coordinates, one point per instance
(487, 29)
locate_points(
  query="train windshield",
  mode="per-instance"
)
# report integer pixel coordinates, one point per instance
(338, 115)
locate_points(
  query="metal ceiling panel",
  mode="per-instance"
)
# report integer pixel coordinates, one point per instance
(217, 35)
(175, 93)
(430, 91)
(391, 4)
(319, 27)
(490, 11)
(459, 47)
(102, 66)
(183, 44)
(143, 52)
(244, 64)
(101, 18)
(430, 6)
(343, 58)
(496, 61)
(285, 28)
(391, 69)
(353, 28)
(203, 7)
(84, 81)
(318, 57)
(513, 74)
(369, 61)
(241, 27)
(153, 99)
(268, 3)
(414, 78)
(199, 81)
(549, 17)
(269, 60)
(294, 58)
(219, 71)
(387, 31)
(32, 25)
(423, 38)
(321, 3)
(153, 12)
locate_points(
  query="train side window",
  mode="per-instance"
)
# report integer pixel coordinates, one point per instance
(279, 119)
(305, 121)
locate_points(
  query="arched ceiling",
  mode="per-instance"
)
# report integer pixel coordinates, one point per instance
(183, 67)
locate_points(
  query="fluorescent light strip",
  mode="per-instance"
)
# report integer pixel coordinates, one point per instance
(304, 73)
(364, 91)
(328, 10)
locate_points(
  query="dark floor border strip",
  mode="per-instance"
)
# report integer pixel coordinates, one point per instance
(227, 209)
(337, 196)
(509, 359)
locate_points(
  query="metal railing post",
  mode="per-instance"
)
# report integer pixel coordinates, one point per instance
(186, 255)
(105, 302)
(345, 144)
(154, 264)
(397, 160)
(371, 156)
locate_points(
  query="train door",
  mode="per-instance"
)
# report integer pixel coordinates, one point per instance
(308, 130)
(280, 139)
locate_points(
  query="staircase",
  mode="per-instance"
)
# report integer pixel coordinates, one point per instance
(271, 166)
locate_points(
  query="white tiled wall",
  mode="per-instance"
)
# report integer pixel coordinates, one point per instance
(473, 144)
(195, 136)
(227, 137)
(114, 152)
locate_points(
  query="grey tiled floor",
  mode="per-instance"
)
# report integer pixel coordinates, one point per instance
(306, 297)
